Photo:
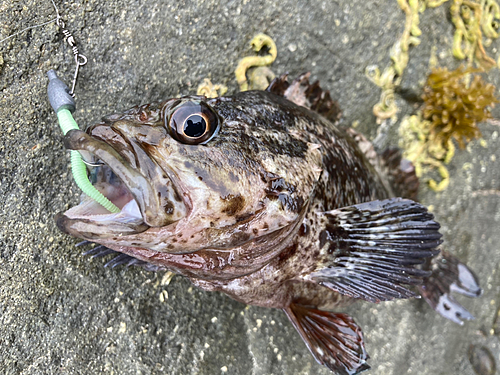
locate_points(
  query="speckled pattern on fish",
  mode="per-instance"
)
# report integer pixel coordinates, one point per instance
(269, 202)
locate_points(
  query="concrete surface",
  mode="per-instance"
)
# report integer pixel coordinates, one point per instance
(63, 313)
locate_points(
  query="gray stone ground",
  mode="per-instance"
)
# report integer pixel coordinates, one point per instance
(63, 313)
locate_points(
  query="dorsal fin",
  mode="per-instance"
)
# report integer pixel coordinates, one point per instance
(400, 175)
(305, 94)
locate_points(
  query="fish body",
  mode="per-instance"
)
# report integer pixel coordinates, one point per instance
(260, 196)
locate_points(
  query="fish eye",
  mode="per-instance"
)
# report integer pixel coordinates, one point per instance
(193, 123)
(195, 126)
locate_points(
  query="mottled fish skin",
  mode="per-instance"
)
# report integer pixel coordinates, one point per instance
(248, 211)
(269, 153)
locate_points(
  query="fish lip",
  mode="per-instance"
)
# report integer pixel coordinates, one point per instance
(143, 192)
(100, 227)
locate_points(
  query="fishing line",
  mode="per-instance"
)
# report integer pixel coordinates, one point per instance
(80, 59)
(63, 103)
(27, 28)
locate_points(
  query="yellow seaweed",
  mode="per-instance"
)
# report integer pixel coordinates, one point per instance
(489, 21)
(451, 110)
(208, 89)
(391, 77)
(472, 19)
(424, 154)
(258, 43)
(434, 3)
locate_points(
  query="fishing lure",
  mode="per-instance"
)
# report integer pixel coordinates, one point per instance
(63, 104)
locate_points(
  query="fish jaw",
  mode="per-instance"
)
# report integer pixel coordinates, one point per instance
(142, 206)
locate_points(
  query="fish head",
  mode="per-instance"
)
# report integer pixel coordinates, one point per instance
(193, 173)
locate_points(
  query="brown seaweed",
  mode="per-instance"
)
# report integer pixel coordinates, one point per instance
(453, 107)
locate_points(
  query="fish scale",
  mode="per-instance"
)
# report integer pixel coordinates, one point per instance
(268, 201)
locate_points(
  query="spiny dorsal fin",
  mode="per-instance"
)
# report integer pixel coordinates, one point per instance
(369, 250)
(399, 173)
(305, 94)
(334, 339)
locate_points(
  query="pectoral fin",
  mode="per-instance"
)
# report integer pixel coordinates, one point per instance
(334, 339)
(370, 250)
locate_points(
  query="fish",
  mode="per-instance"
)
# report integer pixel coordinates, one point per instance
(264, 197)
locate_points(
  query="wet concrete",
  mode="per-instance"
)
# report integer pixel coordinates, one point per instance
(63, 313)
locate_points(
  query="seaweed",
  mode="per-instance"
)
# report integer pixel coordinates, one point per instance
(208, 89)
(391, 77)
(260, 77)
(476, 24)
(472, 19)
(454, 107)
(424, 154)
(454, 101)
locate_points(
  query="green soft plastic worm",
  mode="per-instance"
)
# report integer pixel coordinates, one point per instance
(63, 104)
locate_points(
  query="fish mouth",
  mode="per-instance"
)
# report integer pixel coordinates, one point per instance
(144, 194)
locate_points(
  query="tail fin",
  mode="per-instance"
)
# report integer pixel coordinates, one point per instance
(334, 339)
(449, 275)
